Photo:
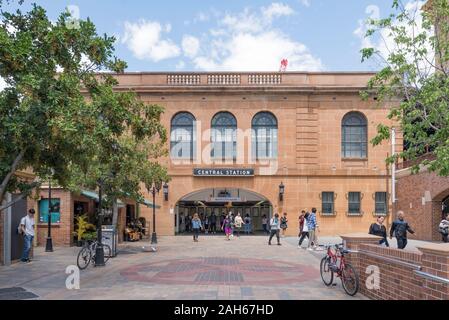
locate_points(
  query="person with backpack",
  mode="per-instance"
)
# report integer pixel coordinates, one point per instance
(26, 229)
(247, 225)
(196, 227)
(312, 225)
(378, 229)
(444, 228)
(275, 227)
(303, 229)
(399, 228)
(284, 225)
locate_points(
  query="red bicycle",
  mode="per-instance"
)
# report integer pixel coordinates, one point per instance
(334, 262)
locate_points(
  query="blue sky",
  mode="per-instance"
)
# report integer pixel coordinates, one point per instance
(200, 35)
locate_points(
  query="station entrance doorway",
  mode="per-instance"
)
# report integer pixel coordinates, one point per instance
(214, 204)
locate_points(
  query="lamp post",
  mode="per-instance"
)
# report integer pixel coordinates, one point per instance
(155, 188)
(281, 191)
(49, 243)
(99, 252)
(165, 188)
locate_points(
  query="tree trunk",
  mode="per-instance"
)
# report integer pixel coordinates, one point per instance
(9, 175)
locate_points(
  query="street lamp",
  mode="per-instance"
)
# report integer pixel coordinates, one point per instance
(165, 188)
(49, 244)
(155, 188)
(99, 252)
(281, 191)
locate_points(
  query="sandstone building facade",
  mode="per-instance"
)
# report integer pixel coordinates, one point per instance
(261, 143)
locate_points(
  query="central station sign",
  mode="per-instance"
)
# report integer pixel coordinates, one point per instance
(226, 172)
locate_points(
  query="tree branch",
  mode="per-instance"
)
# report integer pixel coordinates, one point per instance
(33, 185)
(7, 178)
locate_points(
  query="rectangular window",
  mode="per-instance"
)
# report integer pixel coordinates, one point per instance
(354, 203)
(381, 203)
(43, 210)
(327, 203)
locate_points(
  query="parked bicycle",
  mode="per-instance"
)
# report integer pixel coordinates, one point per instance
(334, 263)
(87, 254)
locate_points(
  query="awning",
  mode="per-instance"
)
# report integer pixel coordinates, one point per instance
(94, 196)
(150, 204)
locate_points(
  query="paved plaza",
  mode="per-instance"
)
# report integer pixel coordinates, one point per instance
(244, 268)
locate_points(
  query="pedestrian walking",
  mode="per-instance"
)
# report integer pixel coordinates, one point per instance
(26, 228)
(444, 228)
(238, 223)
(222, 219)
(213, 223)
(378, 229)
(196, 227)
(275, 227)
(312, 225)
(284, 222)
(188, 223)
(247, 225)
(206, 224)
(226, 227)
(399, 229)
(303, 229)
(265, 224)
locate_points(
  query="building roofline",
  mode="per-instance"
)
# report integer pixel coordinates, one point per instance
(245, 72)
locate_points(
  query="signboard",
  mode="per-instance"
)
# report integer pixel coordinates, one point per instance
(225, 199)
(225, 172)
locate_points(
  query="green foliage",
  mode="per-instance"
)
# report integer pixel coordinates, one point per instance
(82, 226)
(60, 110)
(414, 80)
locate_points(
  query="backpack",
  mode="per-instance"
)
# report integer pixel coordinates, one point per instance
(444, 231)
(19, 228)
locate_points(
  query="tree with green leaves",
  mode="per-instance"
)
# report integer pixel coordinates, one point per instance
(413, 49)
(59, 111)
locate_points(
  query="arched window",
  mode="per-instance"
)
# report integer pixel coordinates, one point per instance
(354, 136)
(182, 137)
(264, 136)
(224, 136)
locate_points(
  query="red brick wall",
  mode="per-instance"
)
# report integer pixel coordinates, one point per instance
(424, 218)
(398, 279)
(62, 233)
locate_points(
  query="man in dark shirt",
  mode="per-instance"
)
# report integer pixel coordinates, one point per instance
(399, 228)
(378, 229)
(213, 223)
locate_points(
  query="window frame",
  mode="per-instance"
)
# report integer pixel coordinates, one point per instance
(359, 145)
(223, 132)
(384, 203)
(192, 141)
(271, 141)
(332, 203)
(43, 216)
(350, 211)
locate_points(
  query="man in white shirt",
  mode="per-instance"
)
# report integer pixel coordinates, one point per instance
(27, 230)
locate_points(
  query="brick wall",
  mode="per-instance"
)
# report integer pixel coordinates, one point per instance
(420, 196)
(61, 232)
(399, 269)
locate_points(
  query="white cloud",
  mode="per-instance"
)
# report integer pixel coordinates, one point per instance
(145, 40)
(276, 10)
(305, 3)
(248, 41)
(190, 46)
(260, 52)
(180, 65)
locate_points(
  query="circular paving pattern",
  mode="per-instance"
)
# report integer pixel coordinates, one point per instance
(219, 271)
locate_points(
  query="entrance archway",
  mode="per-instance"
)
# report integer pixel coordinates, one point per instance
(218, 202)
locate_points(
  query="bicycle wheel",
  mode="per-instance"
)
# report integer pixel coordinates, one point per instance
(107, 252)
(327, 275)
(350, 280)
(83, 258)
